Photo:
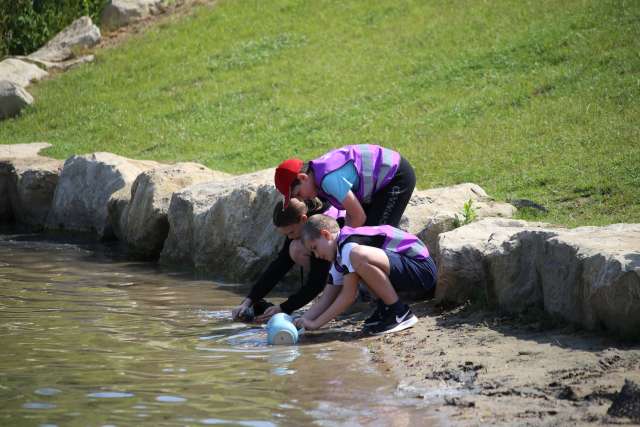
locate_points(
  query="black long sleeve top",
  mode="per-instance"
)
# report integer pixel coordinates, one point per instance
(314, 284)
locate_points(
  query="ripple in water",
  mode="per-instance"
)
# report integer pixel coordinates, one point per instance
(171, 399)
(38, 405)
(110, 394)
(47, 391)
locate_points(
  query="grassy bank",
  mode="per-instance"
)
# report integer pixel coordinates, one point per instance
(530, 99)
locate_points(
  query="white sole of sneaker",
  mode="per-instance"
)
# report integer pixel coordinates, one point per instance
(400, 326)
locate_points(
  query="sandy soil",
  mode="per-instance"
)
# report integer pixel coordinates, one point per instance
(486, 369)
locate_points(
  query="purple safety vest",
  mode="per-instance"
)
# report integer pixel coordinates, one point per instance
(335, 213)
(375, 165)
(391, 238)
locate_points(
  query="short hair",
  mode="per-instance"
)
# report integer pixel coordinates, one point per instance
(316, 224)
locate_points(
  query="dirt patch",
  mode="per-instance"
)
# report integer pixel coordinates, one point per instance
(483, 368)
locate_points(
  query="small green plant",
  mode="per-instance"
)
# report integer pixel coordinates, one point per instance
(467, 215)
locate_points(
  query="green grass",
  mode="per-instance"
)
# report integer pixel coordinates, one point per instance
(530, 99)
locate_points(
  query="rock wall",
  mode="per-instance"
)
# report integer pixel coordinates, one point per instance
(143, 222)
(221, 224)
(85, 187)
(588, 276)
(224, 227)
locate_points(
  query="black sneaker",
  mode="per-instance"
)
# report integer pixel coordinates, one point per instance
(377, 315)
(394, 323)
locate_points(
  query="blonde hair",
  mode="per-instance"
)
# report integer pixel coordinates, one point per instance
(316, 224)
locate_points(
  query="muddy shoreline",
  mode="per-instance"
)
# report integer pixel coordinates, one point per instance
(501, 370)
(483, 368)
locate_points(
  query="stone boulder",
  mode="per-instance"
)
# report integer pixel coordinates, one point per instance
(469, 257)
(588, 276)
(85, 187)
(144, 220)
(80, 34)
(224, 227)
(117, 208)
(13, 99)
(31, 182)
(9, 153)
(118, 13)
(20, 73)
(434, 211)
(601, 265)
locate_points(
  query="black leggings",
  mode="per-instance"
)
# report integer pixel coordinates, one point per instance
(389, 203)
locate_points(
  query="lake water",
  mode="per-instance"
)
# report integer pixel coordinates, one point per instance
(88, 338)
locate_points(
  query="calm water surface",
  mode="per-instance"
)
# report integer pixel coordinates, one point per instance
(89, 339)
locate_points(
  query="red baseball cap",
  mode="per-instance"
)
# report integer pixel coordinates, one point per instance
(286, 173)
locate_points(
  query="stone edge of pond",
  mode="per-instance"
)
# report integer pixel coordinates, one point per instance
(220, 224)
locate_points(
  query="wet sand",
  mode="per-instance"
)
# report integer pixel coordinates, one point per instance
(486, 369)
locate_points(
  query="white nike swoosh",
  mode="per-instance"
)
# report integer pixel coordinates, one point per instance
(401, 319)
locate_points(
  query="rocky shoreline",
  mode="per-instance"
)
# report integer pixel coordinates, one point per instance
(220, 224)
(519, 352)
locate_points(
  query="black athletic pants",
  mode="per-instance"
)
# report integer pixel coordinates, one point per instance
(389, 203)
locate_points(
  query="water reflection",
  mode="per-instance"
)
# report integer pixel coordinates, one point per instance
(87, 339)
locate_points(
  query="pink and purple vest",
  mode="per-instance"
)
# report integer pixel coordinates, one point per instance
(375, 165)
(335, 213)
(387, 237)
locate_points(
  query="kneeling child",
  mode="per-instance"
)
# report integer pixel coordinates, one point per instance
(384, 258)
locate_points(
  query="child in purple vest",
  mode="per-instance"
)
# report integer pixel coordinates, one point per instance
(372, 183)
(289, 222)
(386, 259)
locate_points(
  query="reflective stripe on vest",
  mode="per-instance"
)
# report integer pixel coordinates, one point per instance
(376, 166)
(395, 240)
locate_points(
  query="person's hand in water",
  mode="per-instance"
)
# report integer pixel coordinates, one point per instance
(238, 312)
(274, 309)
(307, 324)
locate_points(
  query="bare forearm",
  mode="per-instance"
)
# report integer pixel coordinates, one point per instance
(326, 299)
(344, 299)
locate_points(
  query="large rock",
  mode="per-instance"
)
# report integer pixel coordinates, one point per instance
(224, 227)
(435, 211)
(20, 73)
(85, 186)
(469, 258)
(8, 153)
(31, 182)
(143, 221)
(80, 34)
(588, 276)
(13, 99)
(601, 265)
(118, 13)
